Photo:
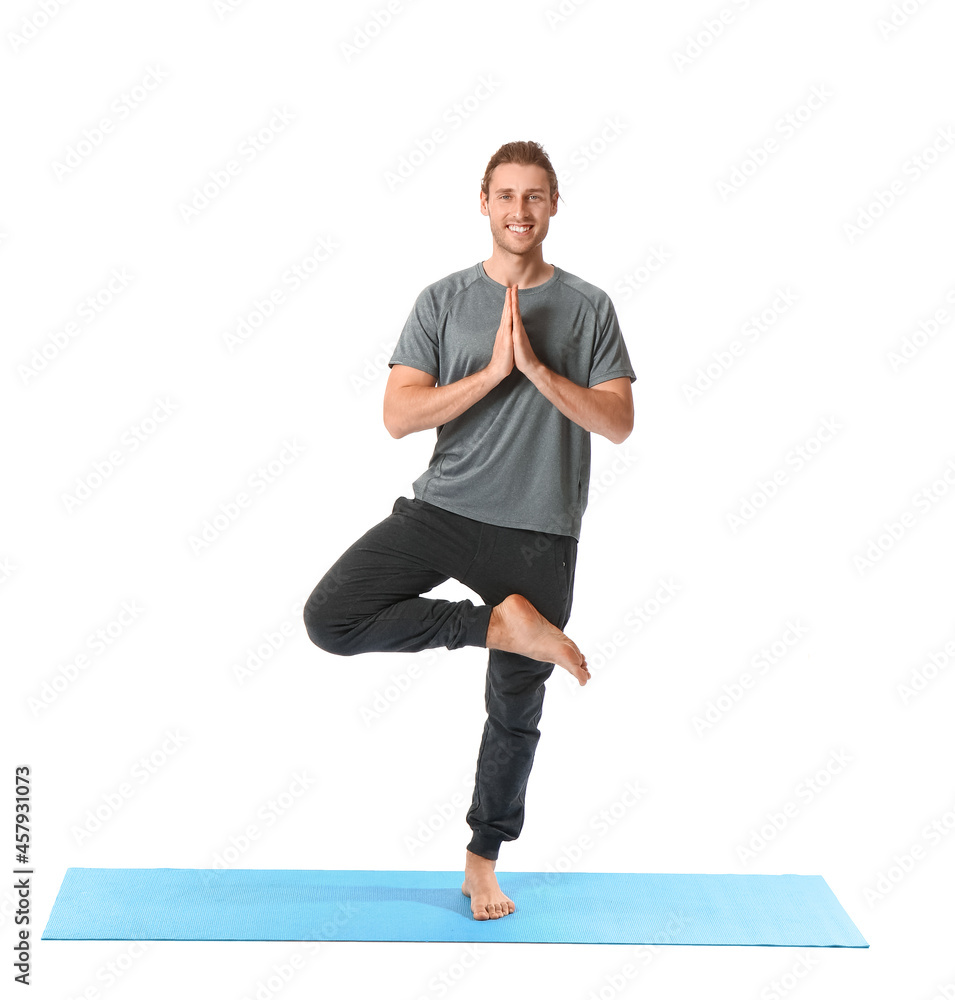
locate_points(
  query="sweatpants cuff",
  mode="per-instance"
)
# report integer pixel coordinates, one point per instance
(485, 847)
(476, 625)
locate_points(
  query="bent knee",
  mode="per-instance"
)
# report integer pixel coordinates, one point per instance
(328, 634)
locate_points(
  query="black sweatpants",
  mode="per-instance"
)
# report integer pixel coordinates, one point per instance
(369, 601)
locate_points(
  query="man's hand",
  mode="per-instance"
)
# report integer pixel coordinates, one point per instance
(606, 408)
(524, 356)
(502, 358)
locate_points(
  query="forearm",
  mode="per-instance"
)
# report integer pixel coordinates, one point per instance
(593, 409)
(420, 407)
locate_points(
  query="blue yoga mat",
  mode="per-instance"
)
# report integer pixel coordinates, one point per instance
(187, 904)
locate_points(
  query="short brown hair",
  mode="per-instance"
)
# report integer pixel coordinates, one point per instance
(530, 154)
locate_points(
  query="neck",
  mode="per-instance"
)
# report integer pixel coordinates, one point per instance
(525, 271)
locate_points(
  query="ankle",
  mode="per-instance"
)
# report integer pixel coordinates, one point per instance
(494, 629)
(475, 862)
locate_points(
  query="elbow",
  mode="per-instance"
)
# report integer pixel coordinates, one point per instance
(626, 427)
(622, 433)
(391, 425)
(617, 418)
(394, 430)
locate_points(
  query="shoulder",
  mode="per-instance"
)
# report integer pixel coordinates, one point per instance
(451, 284)
(593, 295)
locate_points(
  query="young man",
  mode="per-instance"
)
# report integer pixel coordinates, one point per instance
(514, 362)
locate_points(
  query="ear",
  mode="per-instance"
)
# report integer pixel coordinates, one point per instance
(483, 203)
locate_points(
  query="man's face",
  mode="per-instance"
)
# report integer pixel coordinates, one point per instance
(518, 199)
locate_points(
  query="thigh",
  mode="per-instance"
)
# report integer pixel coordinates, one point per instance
(538, 565)
(407, 554)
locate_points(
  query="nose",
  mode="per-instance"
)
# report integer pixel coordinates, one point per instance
(522, 211)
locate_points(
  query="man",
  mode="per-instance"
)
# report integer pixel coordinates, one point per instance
(500, 505)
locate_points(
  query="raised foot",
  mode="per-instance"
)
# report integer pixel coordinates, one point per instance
(518, 627)
(480, 886)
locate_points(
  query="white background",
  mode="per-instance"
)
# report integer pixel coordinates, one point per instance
(648, 134)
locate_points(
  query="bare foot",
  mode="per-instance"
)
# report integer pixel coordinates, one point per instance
(480, 886)
(518, 627)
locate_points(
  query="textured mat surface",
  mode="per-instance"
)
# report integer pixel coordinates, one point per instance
(240, 904)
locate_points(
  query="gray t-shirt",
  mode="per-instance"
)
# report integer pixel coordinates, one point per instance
(512, 458)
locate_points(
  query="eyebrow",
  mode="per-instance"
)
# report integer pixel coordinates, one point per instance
(510, 190)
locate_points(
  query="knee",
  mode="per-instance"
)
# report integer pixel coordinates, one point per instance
(327, 633)
(322, 617)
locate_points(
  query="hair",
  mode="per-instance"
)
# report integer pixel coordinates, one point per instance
(525, 154)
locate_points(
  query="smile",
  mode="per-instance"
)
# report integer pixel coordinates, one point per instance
(519, 229)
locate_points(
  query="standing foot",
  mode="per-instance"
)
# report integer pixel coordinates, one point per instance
(518, 627)
(480, 886)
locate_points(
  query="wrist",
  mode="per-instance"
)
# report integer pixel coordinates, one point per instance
(489, 378)
(538, 373)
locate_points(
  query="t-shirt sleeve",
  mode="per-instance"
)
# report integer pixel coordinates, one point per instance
(417, 344)
(610, 359)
